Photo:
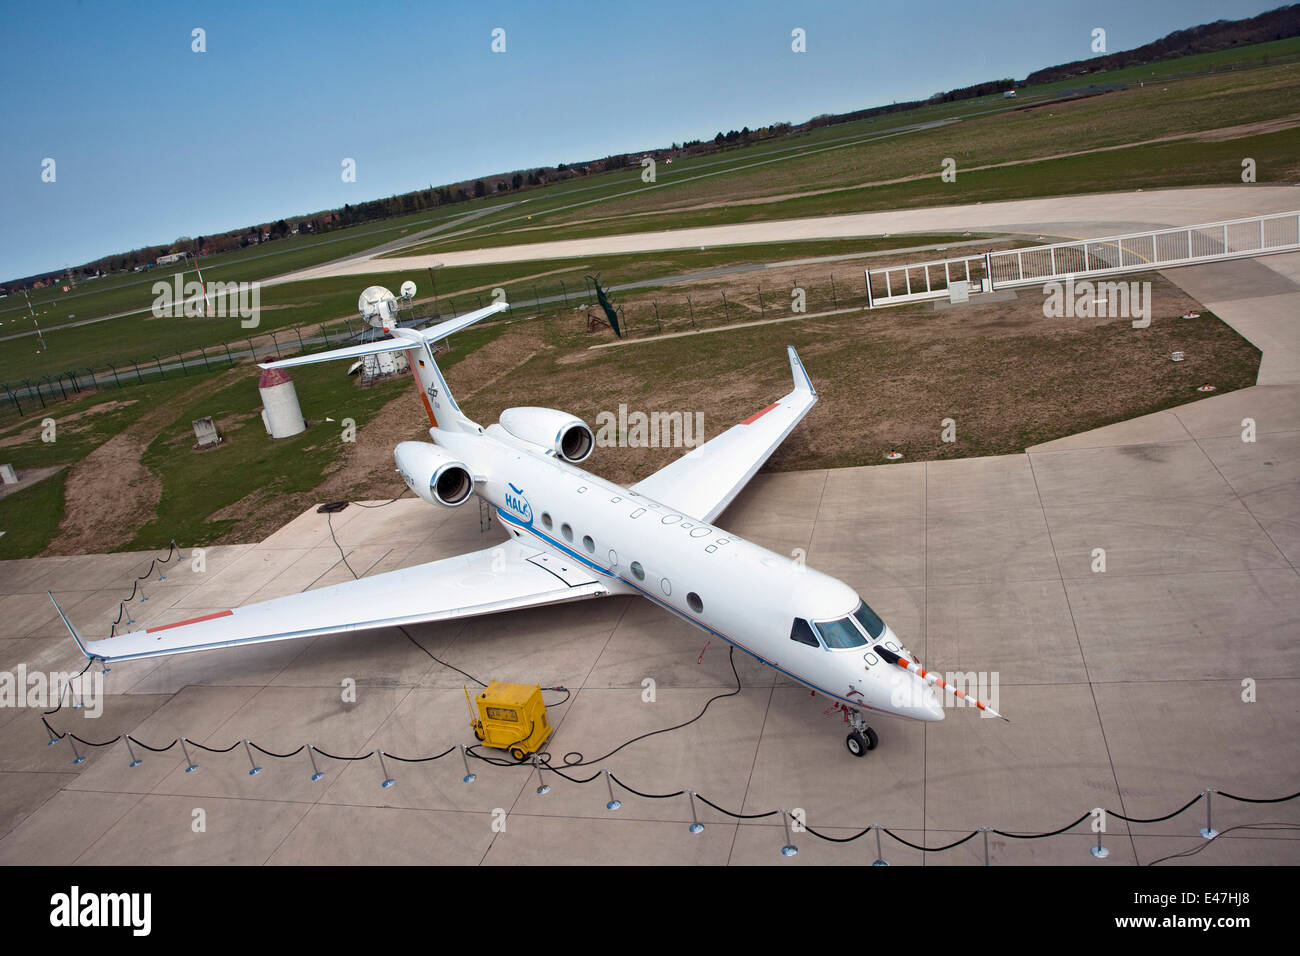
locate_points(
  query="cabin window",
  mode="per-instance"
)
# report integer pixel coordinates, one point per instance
(638, 513)
(638, 572)
(589, 544)
(566, 531)
(700, 532)
(802, 633)
(669, 519)
(694, 603)
(546, 521)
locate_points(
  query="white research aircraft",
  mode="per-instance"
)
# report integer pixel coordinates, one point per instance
(574, 535)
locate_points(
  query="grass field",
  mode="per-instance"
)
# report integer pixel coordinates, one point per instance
(782, 178)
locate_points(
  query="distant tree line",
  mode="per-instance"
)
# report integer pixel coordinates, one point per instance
(1276, 24)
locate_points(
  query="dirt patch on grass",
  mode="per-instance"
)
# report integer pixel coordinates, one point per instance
(1006, 375)
(109, 494)
(64, 421)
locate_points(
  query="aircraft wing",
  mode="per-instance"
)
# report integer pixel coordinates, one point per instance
(502, 578)
(702, 483)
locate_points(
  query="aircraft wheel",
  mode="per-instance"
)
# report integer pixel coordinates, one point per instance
(518, 754)
(872, 740)
(857, 746)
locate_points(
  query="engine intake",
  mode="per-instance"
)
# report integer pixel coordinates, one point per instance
(433, 474)
(564, 435)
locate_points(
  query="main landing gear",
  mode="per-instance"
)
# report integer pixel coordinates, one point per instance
(862, 738)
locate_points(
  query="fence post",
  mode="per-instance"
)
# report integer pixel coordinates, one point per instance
(301, 347)
(690, 305)
(564, 292)
(115, 378)
(657, 322)
(726, 309)
(228, 356)
(182, 360)
(139, 379)
(204, 352)
(835, 302)
(761, 307)
(158, 362)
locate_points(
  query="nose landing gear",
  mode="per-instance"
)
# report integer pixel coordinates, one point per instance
(862, 738)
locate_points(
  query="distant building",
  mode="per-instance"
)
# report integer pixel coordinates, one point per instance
(174, 257)
(1009, 95)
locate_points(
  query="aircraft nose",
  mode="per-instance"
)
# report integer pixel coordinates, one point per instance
(928, 707)
(933, 709)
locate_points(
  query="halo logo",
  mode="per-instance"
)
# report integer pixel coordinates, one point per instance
(517, 503)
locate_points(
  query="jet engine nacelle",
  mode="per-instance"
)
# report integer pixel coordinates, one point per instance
(568, 437)
(433, 474)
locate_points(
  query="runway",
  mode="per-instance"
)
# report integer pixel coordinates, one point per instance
(1086, 216)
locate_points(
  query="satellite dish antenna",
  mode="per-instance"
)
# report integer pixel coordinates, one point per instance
(377, 307)
(408, 289)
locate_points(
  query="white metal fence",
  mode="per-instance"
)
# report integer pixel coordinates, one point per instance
(1158, 249)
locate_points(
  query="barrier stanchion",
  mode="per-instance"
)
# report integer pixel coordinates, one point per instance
(696, 826)
(1099, 851)
(190, 765)
(789, 849)
(388, 781)
(470, 775)
(1208, 830)
(135, 761)
(614, 803)
(542, 786)
(315, 771)
(251, 763)
(880, 855)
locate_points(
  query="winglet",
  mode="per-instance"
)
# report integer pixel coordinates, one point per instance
(802, 383)
(71, 630)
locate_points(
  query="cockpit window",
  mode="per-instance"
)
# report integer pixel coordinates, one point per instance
(870, 621)
(802, 633)
(840, 634)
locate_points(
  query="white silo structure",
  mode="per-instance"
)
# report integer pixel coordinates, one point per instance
(280, 411)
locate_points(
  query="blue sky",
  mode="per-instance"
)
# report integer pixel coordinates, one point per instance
(153, 141)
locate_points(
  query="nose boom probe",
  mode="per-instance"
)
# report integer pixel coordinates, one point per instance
(914, 668)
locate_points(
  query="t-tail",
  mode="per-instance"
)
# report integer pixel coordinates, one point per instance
(439, 404)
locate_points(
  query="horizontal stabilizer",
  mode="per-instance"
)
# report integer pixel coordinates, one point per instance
(402, 340)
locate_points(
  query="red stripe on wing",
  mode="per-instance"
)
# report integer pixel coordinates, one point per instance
(193, 620)
(757, 415)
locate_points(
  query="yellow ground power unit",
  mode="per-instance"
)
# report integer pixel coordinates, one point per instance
(510, 717)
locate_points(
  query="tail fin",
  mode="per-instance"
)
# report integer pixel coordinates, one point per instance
(438, 402)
